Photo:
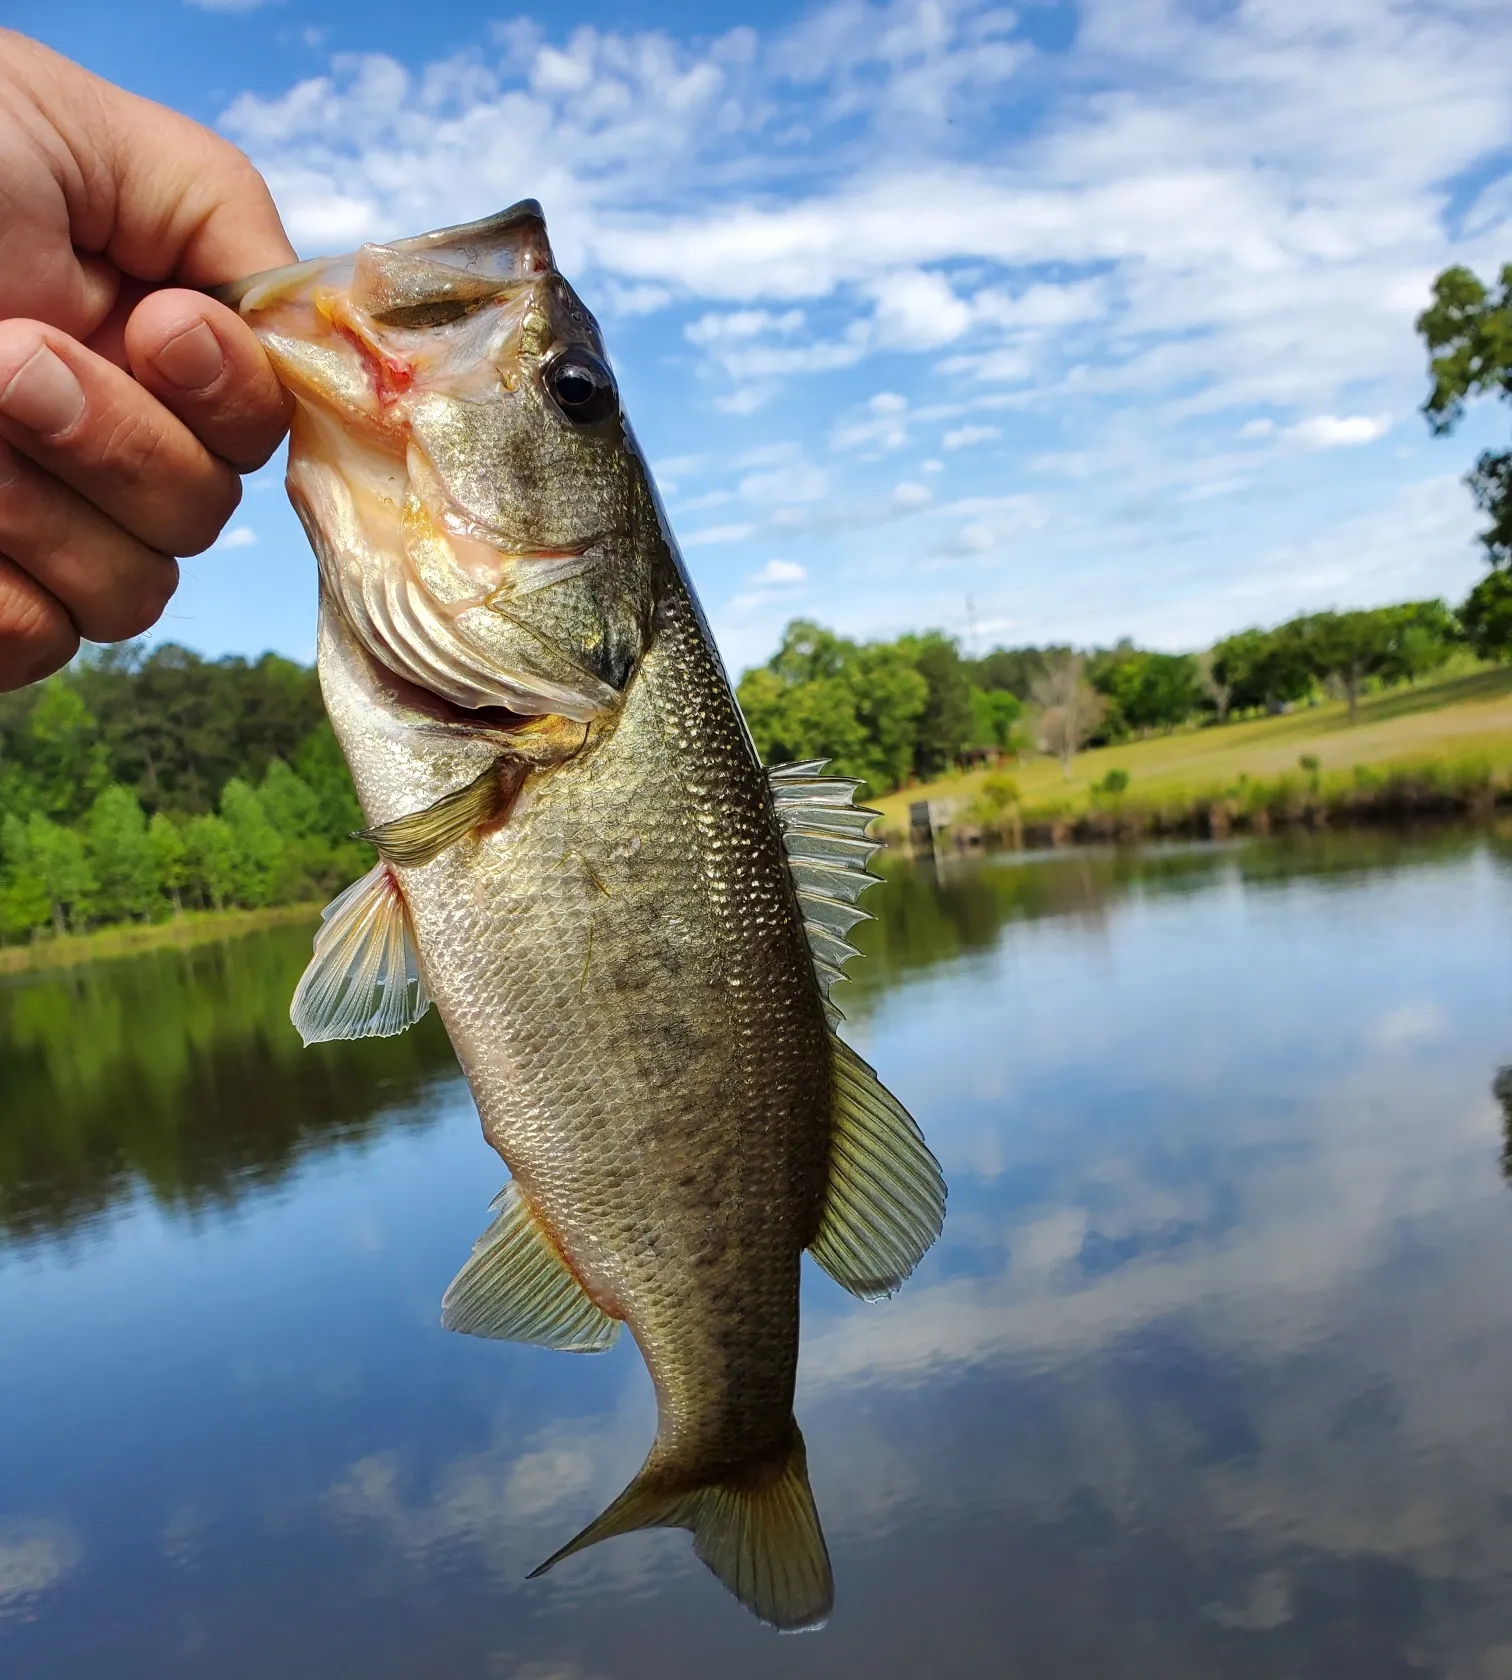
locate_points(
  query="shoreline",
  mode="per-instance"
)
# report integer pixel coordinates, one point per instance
(1456, 792)
(130, 939)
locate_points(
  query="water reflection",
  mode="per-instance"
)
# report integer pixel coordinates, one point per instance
(178, 1072)
(1208, 1375)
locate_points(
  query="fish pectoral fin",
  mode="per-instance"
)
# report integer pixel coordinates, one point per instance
(419, 836)
(825, 838)
(758, 1531)
(364, 979)
(886, 1199)
(517, 1287)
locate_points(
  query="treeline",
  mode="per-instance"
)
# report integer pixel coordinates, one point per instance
(891, 712)
(134, 785)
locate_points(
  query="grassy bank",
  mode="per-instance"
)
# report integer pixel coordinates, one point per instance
(194, 927)
(1437, 748)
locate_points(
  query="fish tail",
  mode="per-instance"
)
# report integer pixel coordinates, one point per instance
(756, 1528)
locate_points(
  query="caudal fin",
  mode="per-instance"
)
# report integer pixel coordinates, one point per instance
(757, 1530)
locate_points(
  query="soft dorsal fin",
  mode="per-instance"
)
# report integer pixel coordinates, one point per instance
(518, 1288)
(364, 979)
(824, 835)
(886, 1198)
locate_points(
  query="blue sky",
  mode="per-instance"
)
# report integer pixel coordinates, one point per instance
(1054, 322)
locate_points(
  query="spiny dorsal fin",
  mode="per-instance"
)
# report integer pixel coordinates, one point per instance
(518, 1288)
(824, 835)
(364, 978)
(886, 1200)
(758, 1532)
(419, 836)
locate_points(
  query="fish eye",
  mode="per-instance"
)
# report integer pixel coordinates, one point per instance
(581, 386)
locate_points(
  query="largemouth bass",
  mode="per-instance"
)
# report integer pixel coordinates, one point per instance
(630, 929)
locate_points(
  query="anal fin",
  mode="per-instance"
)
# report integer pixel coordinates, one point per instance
(886, 1201)
(757, 1530)
(420, 836)
(517, 1287)
(364, 979)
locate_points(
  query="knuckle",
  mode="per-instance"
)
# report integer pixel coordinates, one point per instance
(36, 635)
(130, 609)
(130, 447)
(203, 524)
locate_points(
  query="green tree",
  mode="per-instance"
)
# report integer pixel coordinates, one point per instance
(210, 860)
(170, 857)
(1487, 616)
(54, 856)
(1350, 646)
(61, 750)
(1151, 690)
(125, 870)
(995, 715)
(821, 696)
(24, 902)
(319, 765)
(1422, 635)
(1468, 332)
(944, 725)
(259, 847)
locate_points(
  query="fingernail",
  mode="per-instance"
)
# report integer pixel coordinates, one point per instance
(193, 360)
(43, 394)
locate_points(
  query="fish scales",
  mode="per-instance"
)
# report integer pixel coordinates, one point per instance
(644, 1043)
(630, 929)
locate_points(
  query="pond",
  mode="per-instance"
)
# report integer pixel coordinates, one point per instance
(1210, 1373)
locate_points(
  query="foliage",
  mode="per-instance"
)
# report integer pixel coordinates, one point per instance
(1150, 690)
(136, 786)
(1114, 782)
(995, 715)
(1468, 332)
(1487, 616)
(859, 705)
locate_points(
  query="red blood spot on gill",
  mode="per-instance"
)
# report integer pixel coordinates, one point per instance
(391, 375)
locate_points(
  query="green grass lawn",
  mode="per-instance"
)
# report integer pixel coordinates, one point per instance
(1465, 716)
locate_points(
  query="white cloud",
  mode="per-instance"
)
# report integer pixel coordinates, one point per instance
(1202, 216)
(239, 536)
(1330, 431)
(780, 573)
(912, 495)
(718, 534)
(741, 324)
(964, 436)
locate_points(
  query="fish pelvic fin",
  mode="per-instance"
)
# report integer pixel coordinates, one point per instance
(364, 979)
(886, 1199)
(518, 1287)
(420, 836)
(757, 1530)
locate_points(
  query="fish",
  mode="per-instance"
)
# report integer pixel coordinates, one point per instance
(629, 927)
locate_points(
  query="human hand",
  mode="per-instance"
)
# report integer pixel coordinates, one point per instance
(128, 406)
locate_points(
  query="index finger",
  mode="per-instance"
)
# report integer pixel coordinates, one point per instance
(160, 195)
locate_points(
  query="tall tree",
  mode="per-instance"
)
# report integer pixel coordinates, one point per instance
(1468, 331)
(944, 725)
(1070, 708)
(1487, 616)
(125, 869)
(1350, 646)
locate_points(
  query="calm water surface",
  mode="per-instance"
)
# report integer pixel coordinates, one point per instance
(1209, 1375)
